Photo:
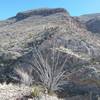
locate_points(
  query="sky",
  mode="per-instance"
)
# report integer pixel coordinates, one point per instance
(9, 8)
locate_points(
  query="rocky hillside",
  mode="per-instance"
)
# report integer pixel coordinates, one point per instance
(91, 21)
(19, 34)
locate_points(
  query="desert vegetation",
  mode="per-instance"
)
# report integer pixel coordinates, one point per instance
(45, 69)
(49, 54)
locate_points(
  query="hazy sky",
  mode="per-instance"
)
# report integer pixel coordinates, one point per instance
(9, 8)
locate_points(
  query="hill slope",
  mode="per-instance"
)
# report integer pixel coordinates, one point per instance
(92, 22)
(40, 27)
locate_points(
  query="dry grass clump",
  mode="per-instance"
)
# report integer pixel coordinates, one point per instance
(24, 77)
(37, 90)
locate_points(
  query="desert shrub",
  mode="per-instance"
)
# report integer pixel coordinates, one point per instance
(24, 77)
(36, 91)
(48, 65)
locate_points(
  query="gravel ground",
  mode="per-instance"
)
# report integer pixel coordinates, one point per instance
(13, 92)
(22, 92)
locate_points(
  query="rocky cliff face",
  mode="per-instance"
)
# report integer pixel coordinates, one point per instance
(39, 27)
